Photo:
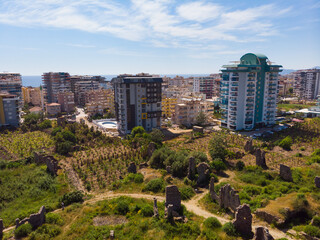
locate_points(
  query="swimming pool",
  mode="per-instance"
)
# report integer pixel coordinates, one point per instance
(106, 123)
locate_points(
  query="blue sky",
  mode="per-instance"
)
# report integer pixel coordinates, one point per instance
(154, 36)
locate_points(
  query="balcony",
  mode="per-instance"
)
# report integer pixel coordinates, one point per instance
(235, 79)
(234, 94)
(235, 84)
(250, 80)
(250, 85)
(234, 89)
(234, 104)
(233, 99)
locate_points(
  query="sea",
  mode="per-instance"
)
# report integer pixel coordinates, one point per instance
(36, 81)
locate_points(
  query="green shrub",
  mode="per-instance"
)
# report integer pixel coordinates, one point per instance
(212, 222)
(316, 152)
(302, 149)
(138, 178)
(154, 185)
(186, 192)
(240, 165)
(229, 229)
(23, 231)
(122, 207)
(316, 221)
(147, 211)
(45, 124)
(54, 218)
(72, 197)
(47, 231)
(218, 165)
(218, 147)
(286, 143)
(159, 156)
(312, 231)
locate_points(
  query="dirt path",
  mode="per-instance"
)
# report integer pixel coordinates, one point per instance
(72, 176)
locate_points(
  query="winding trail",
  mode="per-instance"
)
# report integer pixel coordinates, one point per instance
(191, 205)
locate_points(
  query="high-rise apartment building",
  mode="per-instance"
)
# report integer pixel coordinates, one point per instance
(11, 83)
(208, 85)
(99, 101)
(66, 100)
(55, 82)
(9, 109)
(137, 101)
(249, 91)
(307, 83)
(33, 95)
(81, 88)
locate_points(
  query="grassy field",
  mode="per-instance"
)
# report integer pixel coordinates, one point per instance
(288, 107)
(24, 188)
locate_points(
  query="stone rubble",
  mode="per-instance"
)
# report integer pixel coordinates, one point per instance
(155, 208)
(249, 146)
(262, 233)
(49, 160)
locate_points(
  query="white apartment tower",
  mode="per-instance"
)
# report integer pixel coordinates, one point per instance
(137, 101)
(249, 90)
(307, 83)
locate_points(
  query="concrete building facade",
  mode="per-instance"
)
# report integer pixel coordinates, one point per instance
(249, 92)
(11, 83)
(66, 100)
(208, 85)
(53, 109)
(53, 83)
(307, 84)
(9, 109)
(137, 101)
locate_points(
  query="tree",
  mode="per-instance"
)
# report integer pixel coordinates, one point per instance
(201, 118)
(218, 147)
(286, 143)
(156, 136)
(139, 131)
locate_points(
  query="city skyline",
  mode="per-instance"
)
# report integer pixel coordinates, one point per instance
(158, 37)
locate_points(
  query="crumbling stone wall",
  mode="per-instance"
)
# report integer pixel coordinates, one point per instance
(317, 182)
(173, 197)
(155, 208)
(35, 220)
(285, 173)
(228, 197)
(261, 158)
(192, 168)
(249, 146)
(132, 168)
(214, 196)
(203, 170)
(1, 229)
(49, 160)
(262, 233)
(243, 220)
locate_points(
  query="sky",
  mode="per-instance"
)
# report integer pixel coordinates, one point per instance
(155, 36)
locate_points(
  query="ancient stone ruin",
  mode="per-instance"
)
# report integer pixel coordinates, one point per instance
(213, 194)
(285, 173)
(228, 197)
(317, 182)
(243, 220)
(249, 146)
(173, 197)
(192, 168)
(204, 174)
(35, 220)
(151, 148)
(261, 158)
(49, 160)
(132, 168)
(262, 233)
(1, 229)
(170, 211)
(155, 208)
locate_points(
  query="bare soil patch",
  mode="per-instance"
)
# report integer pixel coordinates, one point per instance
(109, 220)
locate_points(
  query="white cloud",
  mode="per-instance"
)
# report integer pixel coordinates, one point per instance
(199, 11)
(196, 24)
